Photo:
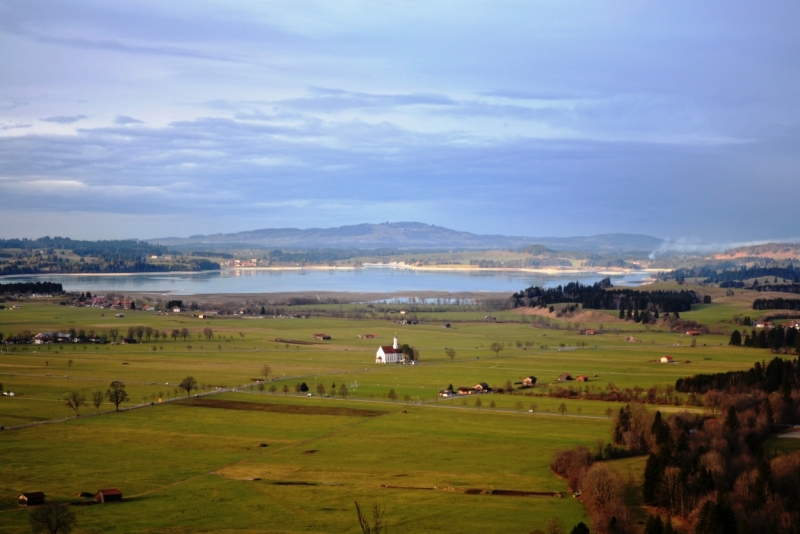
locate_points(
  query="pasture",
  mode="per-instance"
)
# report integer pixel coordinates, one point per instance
(187, 465)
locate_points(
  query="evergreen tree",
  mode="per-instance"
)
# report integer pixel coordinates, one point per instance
(716, 517)
(736, 339)
(732, 421)
(622, 312)
(654, 525)
(652, 477)
(580, 528)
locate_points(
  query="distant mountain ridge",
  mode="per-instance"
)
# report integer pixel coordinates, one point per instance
(407, 235)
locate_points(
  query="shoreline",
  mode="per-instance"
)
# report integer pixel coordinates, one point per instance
(431, 268)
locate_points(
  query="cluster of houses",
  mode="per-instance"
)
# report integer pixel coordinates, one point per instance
(45, 338)
(483, 387)
(566, 377)
(769, 325)
(477, 389)
(253, 262)
(35, 498)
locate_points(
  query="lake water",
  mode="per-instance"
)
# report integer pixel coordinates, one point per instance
(366, 280)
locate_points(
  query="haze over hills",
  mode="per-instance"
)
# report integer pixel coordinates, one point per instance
(408, 235)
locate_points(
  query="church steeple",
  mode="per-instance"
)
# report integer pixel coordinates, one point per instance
(394, 345)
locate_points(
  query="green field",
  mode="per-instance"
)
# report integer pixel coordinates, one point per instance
(185, 468)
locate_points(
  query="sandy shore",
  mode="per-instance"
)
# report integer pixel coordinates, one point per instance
(324, 297)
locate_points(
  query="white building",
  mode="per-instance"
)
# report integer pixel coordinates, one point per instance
(389, 353)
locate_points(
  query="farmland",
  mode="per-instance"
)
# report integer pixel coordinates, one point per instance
(198, 464)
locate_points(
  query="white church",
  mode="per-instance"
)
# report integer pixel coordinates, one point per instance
(389, 353)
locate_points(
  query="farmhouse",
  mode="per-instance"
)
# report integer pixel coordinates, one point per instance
(529, 381)
(482, 387)
(581, 378)
(693, 332)
(389, 353)
(666, 359)
(322, 337)
(108, 495)
(50, 337)
(465, 391)
(564, 377)
(370, 336)
(31, 499)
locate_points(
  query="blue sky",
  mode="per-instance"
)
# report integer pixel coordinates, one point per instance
(151, 118)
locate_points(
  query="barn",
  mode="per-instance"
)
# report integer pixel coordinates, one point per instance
(108, 495)
(31, 498)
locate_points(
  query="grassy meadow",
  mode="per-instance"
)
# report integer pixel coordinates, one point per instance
(185, 467)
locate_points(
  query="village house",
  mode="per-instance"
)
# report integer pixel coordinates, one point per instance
(581, 378)
(389, 353)
(322, 337)
(482, 387)
(465, 391)
(693, 332)
(108, 495)
(529, 381)
(564, 377)
(31, 498)
(370, 336)
(666, 359)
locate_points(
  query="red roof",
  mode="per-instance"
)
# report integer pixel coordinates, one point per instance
(389, 349)
(110, 491)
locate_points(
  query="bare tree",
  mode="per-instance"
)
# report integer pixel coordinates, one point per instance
(285, 389)
(97, 400)
(208, 333)
(343, 391)
(52, 519)
(148, 333)
(116, 393)
(320, 389)
(266, 370)
(562, 408)
(392, 395)
(451, 353)
(188, 383)
(496, 347)
(184, 333)
(74, 401)
(273, 388)
(175, 334)
(373, 526)
(113, 332)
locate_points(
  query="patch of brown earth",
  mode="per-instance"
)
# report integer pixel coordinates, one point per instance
(279, 408)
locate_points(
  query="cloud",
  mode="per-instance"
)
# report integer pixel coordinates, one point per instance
(122, 120)
(64, 119)
(14, 126)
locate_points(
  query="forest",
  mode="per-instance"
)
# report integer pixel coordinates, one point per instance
(601, 296)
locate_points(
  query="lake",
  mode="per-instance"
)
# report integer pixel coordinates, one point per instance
(366, 280)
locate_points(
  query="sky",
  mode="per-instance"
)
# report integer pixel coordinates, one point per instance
(677, 119)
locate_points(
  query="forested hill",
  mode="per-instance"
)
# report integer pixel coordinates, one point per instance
(63, 255)
(408, 235)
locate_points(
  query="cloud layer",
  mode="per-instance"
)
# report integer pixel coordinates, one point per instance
(519, 118)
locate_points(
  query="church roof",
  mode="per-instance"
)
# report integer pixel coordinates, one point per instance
(388, 349)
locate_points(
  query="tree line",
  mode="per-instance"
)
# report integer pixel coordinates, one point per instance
(726, 273)
(31, 288)
(600, 296)
(777, 339)
(776, 304)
